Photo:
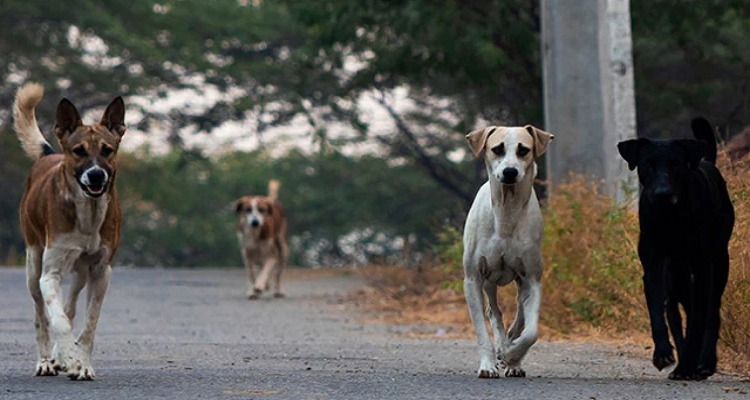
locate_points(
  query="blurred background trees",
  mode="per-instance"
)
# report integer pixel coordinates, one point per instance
(380, 92)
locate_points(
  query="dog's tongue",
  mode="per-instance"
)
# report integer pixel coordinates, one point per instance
(95, 189)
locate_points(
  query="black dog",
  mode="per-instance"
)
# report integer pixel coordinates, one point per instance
(686, 219)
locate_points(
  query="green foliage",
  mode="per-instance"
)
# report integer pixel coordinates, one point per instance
(691, 58)
(450, 251)
(12, 182)
(179, 210)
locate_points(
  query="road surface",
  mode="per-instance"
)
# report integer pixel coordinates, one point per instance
(190, 334)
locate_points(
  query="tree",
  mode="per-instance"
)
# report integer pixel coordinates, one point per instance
(691, 58)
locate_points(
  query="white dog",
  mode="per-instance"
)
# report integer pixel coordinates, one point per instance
(502, 244)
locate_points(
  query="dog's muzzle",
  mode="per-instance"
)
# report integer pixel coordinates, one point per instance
(664, 195)
(94, 182)
(510, 176)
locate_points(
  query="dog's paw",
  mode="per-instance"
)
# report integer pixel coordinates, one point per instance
(515, 372)
(704, 371)
(83, 373)
(662, 360)
(279, 295)
(254, 293)
(488, 370)
(683, 373)
(46, 367)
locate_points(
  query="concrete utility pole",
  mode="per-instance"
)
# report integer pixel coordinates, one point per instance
(589, 100)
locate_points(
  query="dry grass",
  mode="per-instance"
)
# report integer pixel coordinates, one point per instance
(592, 282)
(735, 336)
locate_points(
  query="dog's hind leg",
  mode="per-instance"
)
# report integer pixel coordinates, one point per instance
(283, 256)
(518, 323)
(98, 281)
(249, 273)
(496, 318)
(697, 325)
(79, 282)
(674, 320)
(677, 294)
(708, 359)
(530, 292)
(45, 364)
(475, 301)
(261, 284)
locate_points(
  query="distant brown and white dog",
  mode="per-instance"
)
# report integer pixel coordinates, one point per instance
(70, 218)
(261, 231)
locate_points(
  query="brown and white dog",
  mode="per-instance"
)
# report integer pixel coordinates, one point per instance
(70, 219)
(261, 231)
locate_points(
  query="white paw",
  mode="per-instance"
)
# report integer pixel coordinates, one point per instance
(488, 370)
(46, 367)
(82, 373)
(515, 372)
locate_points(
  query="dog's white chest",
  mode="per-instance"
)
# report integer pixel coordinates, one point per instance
(504, 266)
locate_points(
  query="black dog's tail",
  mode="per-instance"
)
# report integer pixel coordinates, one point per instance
(703, 132)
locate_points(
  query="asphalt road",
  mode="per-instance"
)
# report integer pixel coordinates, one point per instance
(190, 334)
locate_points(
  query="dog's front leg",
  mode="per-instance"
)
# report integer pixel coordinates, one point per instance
(530, 295)
(55, 262)
(249, 273)
(45, 365)
(654, 286)
(261, 284)
(496, 318)
(98, 281)
(475, 301)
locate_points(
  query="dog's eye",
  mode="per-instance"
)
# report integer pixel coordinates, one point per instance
(522, 151)
(80, 151)
(499, 150)
(262, 210)
(107, 151)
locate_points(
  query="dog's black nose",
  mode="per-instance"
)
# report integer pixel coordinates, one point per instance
(96, 177)
(255, 222)
(663, 193)
(510, 174)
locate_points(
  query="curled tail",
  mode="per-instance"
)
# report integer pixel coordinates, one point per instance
(273, 189)
(24, 121)
(703, 132)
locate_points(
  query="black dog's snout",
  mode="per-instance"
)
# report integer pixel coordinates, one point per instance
(96, 177)
(510, 174)
(254, 222)
(663, 193)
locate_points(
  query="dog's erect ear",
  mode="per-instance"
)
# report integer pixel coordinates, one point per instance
(238, 206)
(478, 139)
(694, 149)
(114, 116)
(67, 119)
(629, 150)
(541, 139)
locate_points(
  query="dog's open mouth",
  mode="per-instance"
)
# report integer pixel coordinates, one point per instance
(94, 190)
